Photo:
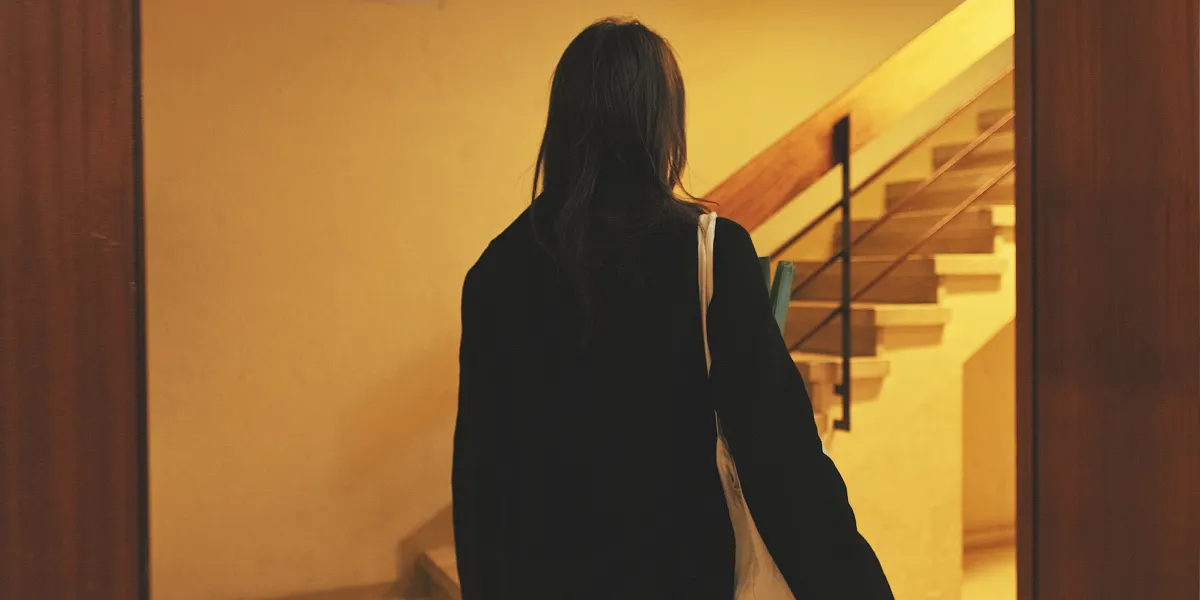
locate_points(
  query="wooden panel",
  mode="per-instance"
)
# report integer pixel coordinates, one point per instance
(1110, 309)
(71, 385)
(901, 83)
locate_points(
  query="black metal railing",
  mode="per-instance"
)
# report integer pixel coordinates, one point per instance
(849, 295)
(841, 154)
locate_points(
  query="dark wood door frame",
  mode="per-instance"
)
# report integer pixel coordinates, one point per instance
(72, 339)
(1026, 392)
(1108, 313)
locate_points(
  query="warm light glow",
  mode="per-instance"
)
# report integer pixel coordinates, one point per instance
(319, 176)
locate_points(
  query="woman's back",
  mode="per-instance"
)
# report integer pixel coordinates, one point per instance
(609, 446)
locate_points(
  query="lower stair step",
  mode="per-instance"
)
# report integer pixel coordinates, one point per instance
(994, 152)
(971, 232)
(442, 566)
(916, 281)
(951, 189)
(823, 369)
(988, 118)
(866, 323)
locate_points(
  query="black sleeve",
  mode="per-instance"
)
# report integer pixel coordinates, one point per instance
(793, 490)
(478, 475)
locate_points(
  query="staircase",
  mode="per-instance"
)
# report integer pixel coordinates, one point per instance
(915, 297)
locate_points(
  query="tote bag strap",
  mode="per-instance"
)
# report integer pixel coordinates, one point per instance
(754, 581)
(706, 234)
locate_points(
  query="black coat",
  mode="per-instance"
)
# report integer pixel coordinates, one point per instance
(589, 471)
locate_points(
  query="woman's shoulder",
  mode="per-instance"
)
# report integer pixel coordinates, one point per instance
(498, 253)
(729, 227)
(734, 238)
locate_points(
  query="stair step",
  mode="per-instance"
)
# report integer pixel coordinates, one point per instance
(972, 232)
(824, 369)
(988, 118)
(950, 189)
(442, 566)
(995, 151)
(866, 321)
(915, 281)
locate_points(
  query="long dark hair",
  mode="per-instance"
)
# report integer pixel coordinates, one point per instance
(615, 147)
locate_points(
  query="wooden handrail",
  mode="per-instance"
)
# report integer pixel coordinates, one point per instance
(898, 85)
(885, 167)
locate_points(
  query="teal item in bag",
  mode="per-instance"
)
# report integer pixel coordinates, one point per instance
(781, 289)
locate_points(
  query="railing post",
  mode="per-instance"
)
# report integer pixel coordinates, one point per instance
(841, 154)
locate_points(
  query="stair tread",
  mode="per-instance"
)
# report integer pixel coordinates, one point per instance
(987, 118)
(443, 555)
(955, 178)
(1003, 215)
(943, 264)
(825, 368)
(915, 280)
(969, 264)
(889, 314)
(996, 150)
(1000, 215)
(952, 188)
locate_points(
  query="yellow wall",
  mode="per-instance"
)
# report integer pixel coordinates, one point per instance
(990, 441)
(320, 174)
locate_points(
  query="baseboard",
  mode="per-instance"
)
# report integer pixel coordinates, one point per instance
(989, 537)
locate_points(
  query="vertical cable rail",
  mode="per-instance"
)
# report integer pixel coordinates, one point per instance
(841, 154)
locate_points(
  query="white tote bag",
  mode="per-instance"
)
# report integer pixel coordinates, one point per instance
(756, 575)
